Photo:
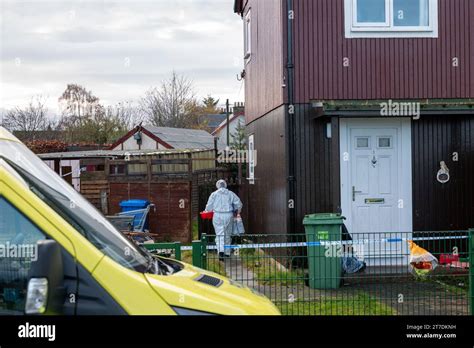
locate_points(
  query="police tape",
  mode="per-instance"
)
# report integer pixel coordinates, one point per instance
(327, 243)
(336, 243)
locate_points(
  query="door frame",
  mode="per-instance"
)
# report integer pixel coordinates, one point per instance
(404, 165)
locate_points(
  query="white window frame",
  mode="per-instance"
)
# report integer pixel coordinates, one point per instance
(252, 164)
(354, 29)
(248, 36)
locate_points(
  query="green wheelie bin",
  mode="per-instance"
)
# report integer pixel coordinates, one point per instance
(324, 258)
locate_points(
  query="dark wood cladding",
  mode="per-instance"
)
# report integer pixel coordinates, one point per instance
(267, 199)
(436, 206)
(439, 206)
(171, 220)
(264, 72)
(317, 167)
(381, 68)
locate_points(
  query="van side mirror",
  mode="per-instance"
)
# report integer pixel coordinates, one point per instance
(45, 292)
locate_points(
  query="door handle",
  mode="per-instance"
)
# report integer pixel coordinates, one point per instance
(354, 193)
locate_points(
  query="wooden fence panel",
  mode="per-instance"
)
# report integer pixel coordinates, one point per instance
(171, 219)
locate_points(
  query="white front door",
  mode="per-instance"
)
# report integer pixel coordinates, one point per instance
(376, 182)
(373, 179)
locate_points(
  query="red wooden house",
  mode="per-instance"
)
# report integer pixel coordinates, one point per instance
(363, 107)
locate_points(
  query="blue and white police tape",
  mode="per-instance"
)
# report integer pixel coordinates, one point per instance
(328, 243)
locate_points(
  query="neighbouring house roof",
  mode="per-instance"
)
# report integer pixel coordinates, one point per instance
(173, 138)
(212, 121)
(182, 138)
(53, 146)
(46, 146)
(54, 141)
(112, 154)
(224, 123)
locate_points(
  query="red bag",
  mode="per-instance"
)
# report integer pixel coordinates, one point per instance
(207, 215)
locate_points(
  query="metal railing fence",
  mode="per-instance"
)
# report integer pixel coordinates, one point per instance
(367, 274)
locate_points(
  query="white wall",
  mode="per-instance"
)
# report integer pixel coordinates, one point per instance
(76, 174)
(147, 144)
(222, 133)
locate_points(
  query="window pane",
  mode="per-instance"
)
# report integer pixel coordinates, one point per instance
(385, 142)
(413, 13)
(371, 11)
(362, 143)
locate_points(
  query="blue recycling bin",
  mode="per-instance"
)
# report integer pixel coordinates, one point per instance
(135, 205)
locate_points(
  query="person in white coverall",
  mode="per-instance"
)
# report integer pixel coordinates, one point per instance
(225, 204)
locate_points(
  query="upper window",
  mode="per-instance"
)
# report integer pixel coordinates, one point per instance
(391, 18)
(247, 36)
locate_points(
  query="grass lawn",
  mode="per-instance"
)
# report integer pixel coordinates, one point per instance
(195, 230)
(187, 256)
(267, 271)
(361, 304)
(213, 264)
(453, 283)
(267, 275)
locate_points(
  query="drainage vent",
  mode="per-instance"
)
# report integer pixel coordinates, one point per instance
(209, 280)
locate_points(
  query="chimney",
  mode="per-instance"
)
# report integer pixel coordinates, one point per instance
(239, 109)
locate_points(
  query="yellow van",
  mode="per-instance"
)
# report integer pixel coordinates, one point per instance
(59, 255)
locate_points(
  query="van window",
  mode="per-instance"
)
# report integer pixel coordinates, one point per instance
(18, 248)
(74, 208)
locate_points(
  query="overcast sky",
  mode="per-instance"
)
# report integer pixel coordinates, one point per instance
(117, 49)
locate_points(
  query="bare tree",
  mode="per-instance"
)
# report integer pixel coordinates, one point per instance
(77, 102)
(173, 104)
(30, 119)
(85, 119)
(126, 114)
(103, 127)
